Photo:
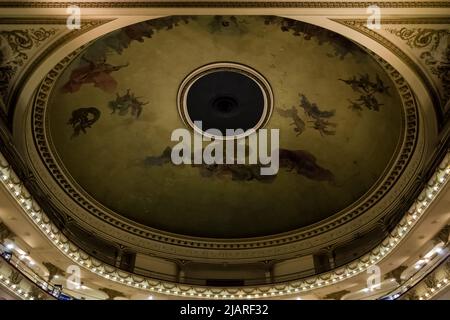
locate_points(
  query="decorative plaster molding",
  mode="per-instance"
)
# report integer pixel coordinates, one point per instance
(228, 4)
(15, 187)
(435, 52)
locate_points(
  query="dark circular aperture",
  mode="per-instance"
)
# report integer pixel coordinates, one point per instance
(225, 100)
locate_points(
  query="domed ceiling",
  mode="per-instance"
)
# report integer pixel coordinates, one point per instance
(112, 111)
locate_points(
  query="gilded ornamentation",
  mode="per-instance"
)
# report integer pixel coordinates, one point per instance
(360, 265)
(435, 47)
(14, 47)
(15, 277)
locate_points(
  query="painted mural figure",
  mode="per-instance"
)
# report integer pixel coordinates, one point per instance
(82, 119)
(367, 90)
(98, 73)
(320, 117)
(298, 123)
(299, 161)
(127, 102)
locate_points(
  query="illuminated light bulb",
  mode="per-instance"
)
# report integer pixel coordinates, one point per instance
(445, 280)
(427, 294)
(432, 290)
(10, 246)
(150, 298)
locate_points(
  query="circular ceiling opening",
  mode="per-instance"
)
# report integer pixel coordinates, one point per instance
(229, 98)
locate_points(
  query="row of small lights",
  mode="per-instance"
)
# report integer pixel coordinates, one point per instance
(431, 292)
(393, 240)
(15, 288)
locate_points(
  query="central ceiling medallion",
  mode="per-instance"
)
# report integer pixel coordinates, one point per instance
(227, 97)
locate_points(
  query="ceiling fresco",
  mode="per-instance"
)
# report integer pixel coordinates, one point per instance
(112, 111)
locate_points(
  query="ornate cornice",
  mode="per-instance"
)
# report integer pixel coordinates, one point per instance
(27, 203)
(227, 4)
